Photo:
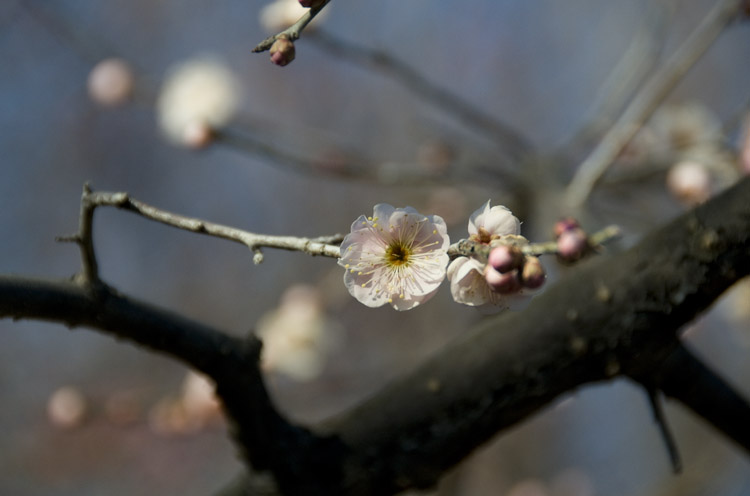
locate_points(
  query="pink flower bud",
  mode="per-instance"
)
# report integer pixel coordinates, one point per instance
(533, 275)
(282, 51)
(565, 224)
(502, 283)
(745, 142)
(197, 135)
(572, 245)
(505, 258)
(311, 3)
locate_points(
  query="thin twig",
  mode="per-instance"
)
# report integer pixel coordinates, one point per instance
(648, 99)
(88, 277)
(294, 31)
(470, 248)
(666, 434)
(320, 246)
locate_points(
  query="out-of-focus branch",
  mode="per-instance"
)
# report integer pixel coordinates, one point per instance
(649, 98)
(510, 142)
(323, 246)
(294, 31)
(627, 75)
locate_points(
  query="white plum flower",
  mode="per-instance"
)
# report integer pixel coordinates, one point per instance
(297, 336)
(201, 92)
(468, 276)
(488, 223)
(397, 256)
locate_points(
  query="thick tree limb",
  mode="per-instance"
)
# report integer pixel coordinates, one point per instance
(614, 316)
(267, 441)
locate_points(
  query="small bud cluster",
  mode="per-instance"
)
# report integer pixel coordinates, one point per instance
(505, 277)
(508, 270)
(572, 240)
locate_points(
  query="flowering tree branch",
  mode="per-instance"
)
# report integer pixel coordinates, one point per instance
(469, 247)
(614, 316)
(649, 98)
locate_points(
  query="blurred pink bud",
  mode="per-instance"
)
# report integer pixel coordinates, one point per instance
(67, 407)
(690, 182)
(745, 143)
(572, 244)
(111, 82)
(505, 258)
(532, 274)
(282, 51)
(198, 135)
(502, 283)
(565, 224)
(311, 3)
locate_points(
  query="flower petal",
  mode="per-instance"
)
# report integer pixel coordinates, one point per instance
(467, 282)
(397, 256)
(497, 220)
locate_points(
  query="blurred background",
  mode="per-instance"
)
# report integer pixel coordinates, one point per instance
(305, 150)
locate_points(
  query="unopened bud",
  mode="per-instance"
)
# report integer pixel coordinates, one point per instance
(502, 283)
(572, 245)
(198, 135)
(311, 3)
(111, 82)
(532, 274)
(505, 258)
(565, 224)
(282, 51)
(690, 182)
(745, 143)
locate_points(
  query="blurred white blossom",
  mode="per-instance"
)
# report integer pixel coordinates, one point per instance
(297, 336)
(684, 125)
(188, 412)
(281, 14)
(202, 91)
(397, 256)
(67, 407)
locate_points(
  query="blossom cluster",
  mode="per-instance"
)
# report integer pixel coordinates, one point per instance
(400, 257)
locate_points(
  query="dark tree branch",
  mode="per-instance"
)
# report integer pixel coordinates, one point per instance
(613, 316)
(267, 441)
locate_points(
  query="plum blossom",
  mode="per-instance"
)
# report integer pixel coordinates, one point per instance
(297, 336)
(198, 95)
(471, 279)
(397, 256)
